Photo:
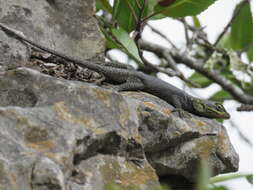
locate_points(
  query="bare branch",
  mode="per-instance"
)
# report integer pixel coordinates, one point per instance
(226, 84)
(244, 107)
(202, 36)
(186, 32)
(173, 65)
(242, 136)
(162, 35)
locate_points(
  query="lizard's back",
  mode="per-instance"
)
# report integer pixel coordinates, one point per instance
(165, 90)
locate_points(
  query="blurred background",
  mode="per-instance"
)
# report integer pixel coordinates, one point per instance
(240, 126)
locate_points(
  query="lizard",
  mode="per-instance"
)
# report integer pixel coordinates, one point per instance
(134, 80)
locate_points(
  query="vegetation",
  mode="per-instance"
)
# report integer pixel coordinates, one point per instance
(122, 23)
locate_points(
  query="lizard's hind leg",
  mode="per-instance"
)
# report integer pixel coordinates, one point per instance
(132, 84)
(100, 80)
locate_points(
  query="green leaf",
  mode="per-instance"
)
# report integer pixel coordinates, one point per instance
(110, 42)
(242, 28)
(200, 79)
(165, 3)
(128, 43)
(250, 179)
(225, 41)
(150, 11)
(250, 53)
(123, 15)
(104, 4)
(196, 22)
(221, 96)
(182, 8)
(127, 12)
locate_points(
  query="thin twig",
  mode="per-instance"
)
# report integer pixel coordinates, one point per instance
(132, 10)
(236, 13)
(142, 10)
(169, 72)
(242, 136)
(203, 36)
(150, 16)
(173, 65)
(162, 35)
(186, 32)
(138, 4)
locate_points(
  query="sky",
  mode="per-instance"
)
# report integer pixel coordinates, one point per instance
(214, 18)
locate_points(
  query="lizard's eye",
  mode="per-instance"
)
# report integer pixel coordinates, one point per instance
(220, 107)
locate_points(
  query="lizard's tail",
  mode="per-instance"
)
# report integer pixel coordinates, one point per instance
(81, 63)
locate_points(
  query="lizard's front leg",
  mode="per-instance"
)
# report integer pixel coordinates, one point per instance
(178, 108)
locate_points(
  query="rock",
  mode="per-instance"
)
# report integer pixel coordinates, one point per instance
(53, 24)
(67, 124)
(174, 145)
(46, 174)
(60, 134)
(113, 170)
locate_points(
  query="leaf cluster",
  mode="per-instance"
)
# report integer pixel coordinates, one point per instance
(128, 15)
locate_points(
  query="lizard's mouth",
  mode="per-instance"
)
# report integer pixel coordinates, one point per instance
(216, 115)
(225, 115)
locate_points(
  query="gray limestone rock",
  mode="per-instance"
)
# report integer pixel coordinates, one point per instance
(60, 134)
(65, 26)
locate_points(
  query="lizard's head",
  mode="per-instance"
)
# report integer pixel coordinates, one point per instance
(210, 109)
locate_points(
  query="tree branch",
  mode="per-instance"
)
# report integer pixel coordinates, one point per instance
(226, 84)
(186, 32)
(247, 108)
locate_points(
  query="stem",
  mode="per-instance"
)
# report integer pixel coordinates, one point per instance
(151, 15)
(133, 12)
(226, 177)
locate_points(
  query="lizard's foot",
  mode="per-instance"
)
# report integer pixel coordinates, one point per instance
(116, 88)
(182, 113)
(137, 161)
(99, 81)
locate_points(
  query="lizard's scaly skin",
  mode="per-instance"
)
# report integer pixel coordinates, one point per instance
(135, 80)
